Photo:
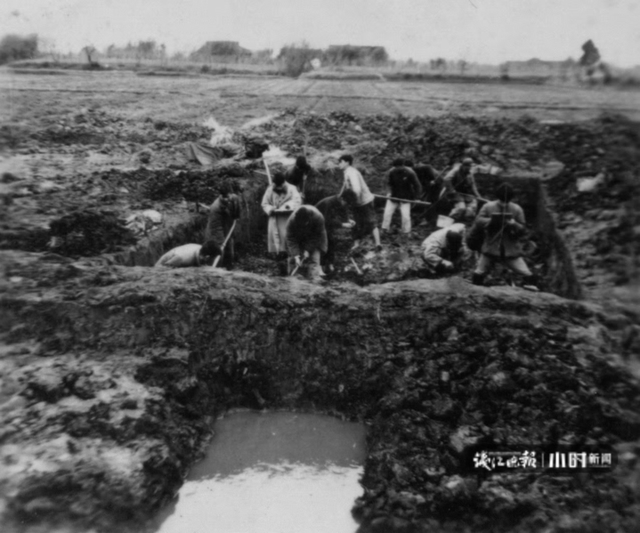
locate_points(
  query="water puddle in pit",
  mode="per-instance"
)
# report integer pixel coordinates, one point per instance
(273, 473)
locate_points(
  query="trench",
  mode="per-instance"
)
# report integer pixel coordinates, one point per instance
(546, 252)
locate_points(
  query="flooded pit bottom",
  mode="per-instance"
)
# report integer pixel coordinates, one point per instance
(273, 472)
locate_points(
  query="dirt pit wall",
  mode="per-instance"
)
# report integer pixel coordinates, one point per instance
(130, 370)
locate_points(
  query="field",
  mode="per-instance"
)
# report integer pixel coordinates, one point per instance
(234, 100)
(111, 369)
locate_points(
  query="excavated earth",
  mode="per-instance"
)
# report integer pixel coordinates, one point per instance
(112, 371)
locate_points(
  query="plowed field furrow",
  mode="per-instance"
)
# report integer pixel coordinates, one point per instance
(273, 86)
(358, 96)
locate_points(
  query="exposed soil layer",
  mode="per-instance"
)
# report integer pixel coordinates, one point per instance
(111, 371)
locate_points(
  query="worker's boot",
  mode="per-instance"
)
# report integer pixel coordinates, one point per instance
(477, 279)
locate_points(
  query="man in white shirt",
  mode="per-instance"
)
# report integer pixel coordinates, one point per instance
(190, 255)
(363, 211)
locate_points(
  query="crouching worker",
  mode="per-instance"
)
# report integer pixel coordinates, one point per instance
(306, 240)
(190, 255)
(503, 223)
(444, 250)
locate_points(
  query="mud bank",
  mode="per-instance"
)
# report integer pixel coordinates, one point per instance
(114, 372)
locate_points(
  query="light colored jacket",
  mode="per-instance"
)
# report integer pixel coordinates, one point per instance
(187, 255)
(354, 181)
(434, 246)
(289, 199)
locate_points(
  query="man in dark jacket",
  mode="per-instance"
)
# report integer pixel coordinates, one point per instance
(298, 174)
(427, 176)
(335, 211)
(403, 184)
(460, 188)
(504, 224)
(222, 213)
(306, 239)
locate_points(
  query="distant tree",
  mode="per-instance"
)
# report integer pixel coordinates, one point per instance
(263, 55)
(47, 47)
(379, 55)
(14, 47)
(146, 49)
(90, 52)
(590, 55)
(504, 70)
(438, 64)
(592, 63)
(296, 58)
(462, 65)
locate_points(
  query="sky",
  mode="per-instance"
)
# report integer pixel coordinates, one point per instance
(482, 31)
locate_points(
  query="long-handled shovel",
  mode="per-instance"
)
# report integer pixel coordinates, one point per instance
(417, 202)
(217, 259)
(297, 267)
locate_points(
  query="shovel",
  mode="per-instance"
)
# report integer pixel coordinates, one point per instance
(217, 259)
(297, 267)
(360, 279)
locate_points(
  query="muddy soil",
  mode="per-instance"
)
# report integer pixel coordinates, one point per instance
(111, 370)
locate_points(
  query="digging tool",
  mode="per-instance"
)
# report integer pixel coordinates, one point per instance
(268, 172)
(472, 196)
(304, 152)
(217, 259)
(418, 202)
(356, 267)
(297, 267)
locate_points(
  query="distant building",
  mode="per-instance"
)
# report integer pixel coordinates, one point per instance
(347, 54)
(539, 68)
(221, 52)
